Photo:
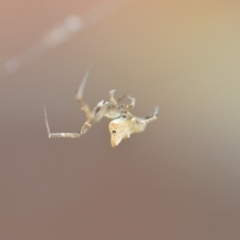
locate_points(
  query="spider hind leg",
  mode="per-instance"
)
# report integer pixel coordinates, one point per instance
(58, 135)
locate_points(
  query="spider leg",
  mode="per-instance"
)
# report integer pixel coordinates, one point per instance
(147, 119)
(121, 98)
(112, 99)
(155, 114)
(82, 86)
(115, 102)
(92, 116)
(84, 107)
(58, 135)
(132, 104)
(127, 106)
(96, 115)
(152, 118)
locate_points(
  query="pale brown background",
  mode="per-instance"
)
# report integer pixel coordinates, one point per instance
(180, 179)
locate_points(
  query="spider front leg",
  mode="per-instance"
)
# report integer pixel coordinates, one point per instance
(112, 99)
(139, 124)
(91, 116)
(96, 115)
(147, 119)
(58, 135)
(84, 107)
(127, 106)
(115, 102)
(151, 118)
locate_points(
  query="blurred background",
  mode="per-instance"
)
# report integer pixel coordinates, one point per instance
(180, 179)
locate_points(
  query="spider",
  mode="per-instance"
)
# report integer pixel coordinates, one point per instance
(111, 109)
(122, 127)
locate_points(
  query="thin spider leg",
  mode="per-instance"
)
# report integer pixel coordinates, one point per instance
(146, 120)
(82, 86)
(139, 121)
(127, 106)
(132, 104)
(115, 102)
(85, 127)
(112, 99)
(84, 107)
(58, 135)
(121, 98)
(150, 119)
(153, 118)
(155, 113)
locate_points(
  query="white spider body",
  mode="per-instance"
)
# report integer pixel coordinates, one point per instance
(123, 125)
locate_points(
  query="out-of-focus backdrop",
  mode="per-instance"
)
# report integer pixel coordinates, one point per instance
(180, 179)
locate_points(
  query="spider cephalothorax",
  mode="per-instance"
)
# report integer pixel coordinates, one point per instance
(123, 125)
